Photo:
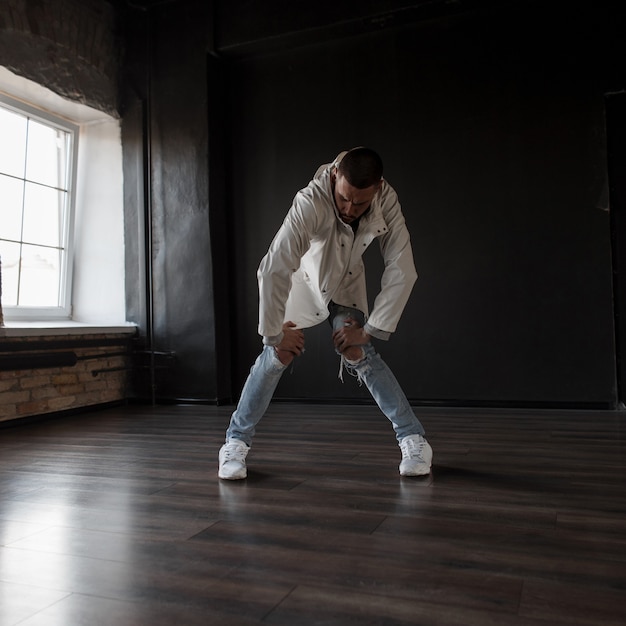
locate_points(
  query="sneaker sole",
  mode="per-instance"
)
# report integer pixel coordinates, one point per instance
(234, 477)
(420, 473)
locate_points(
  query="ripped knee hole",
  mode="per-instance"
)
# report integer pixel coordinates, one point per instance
(353, 355)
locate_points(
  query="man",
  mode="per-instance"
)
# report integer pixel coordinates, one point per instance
(314, 271)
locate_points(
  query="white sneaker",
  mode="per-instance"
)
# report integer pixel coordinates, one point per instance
(232, 460)
(417, 456)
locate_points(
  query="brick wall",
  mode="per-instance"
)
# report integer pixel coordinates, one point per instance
(46, 374)
(70, 46)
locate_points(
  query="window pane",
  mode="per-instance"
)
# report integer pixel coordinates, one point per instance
(44, 210)
(13, 143)
(11, 195)
(36, 150)
(10, 259)
(47, 155)
(40, 276)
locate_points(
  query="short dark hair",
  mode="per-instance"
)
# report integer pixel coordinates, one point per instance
(361, 167)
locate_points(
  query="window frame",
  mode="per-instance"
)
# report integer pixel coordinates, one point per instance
(64, 310)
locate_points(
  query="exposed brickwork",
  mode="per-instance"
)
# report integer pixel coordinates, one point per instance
(69, 46)
(99, 377)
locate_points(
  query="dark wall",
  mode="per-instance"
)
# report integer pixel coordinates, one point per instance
(170, 253)
(616, 127)
(491, 125)
(490, 117)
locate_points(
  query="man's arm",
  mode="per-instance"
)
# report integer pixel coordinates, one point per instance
(399, 274)
(291, 242)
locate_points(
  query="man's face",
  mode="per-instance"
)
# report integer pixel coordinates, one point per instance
(351, 202)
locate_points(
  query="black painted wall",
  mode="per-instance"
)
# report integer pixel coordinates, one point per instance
(170, 266)
(491, 123)
(494, 139)
(616, 149)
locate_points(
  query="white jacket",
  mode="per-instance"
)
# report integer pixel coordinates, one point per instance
(315, 258)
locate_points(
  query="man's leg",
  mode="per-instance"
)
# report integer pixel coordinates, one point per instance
(366, 364)
(255, 398)
(386, 390)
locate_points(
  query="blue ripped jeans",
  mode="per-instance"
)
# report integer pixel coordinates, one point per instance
(267, 370)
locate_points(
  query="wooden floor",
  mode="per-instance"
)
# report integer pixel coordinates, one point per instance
(117, 517)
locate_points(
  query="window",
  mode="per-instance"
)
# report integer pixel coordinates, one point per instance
(37, 164)
(91, 259)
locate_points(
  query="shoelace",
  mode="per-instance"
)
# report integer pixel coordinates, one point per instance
(412, 449)
(233, 452)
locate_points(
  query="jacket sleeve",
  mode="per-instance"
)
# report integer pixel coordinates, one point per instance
(290, 243)
(399, 274)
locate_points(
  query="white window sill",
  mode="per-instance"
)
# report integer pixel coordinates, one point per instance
(39, 329)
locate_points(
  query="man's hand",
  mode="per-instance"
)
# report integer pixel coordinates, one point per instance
(351, 334)
(292, 343)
